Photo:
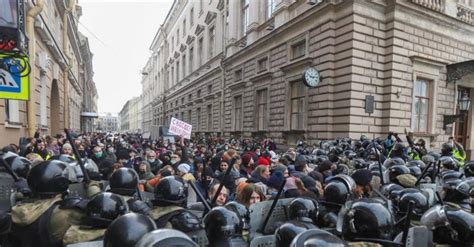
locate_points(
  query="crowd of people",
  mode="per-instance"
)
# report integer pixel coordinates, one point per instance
(209, 191)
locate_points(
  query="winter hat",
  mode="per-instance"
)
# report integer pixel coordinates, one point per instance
(263, 161)
(184, 168)
(279, 168)
(290, 184)
(300, 161)
(407, 180)
(325, 165)
(317, 176)
(208, 171)
(67, 146)
(275, 180)
(362, 177)
(246, 159)
(309, 183)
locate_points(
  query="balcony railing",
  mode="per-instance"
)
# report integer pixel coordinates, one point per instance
(462, 12)
(465, 14)
(435, 5)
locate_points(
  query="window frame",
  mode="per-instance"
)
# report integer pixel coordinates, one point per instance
(259, 101)
(244, 16)
(416, 119)
(304, 105)
(237, 123)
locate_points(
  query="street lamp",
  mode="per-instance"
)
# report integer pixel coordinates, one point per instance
(463, 103)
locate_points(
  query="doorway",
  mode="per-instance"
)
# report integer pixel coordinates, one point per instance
(461, 134)
(55, 108)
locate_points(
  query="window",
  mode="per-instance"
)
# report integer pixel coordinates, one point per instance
(237, 113)
(262, 64)
(43, 100)
(297, 105)
(209, 117)
(244, 16)
(191, 17)
(200, 43)
(172, 43)
(298, 49)
(188, 119)
(238, 75)
(182, 101)
(190, 97)
(12, 111)
(199, 93)
(209, 89)
(212, 37)
(177, 38)
(184, 27)
(184, 65)
(262, 99)
(191, 59)
(172, 76)
(422, 106)
(198, 118)
(269, 8)
(182, 116)
(177, 71)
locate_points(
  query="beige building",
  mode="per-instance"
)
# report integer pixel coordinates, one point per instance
(55, 79)
(131, 116)
(385, 66)
(107, 122)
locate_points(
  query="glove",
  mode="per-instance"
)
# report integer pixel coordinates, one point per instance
(22, 186)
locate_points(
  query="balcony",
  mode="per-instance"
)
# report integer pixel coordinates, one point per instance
(459, 11)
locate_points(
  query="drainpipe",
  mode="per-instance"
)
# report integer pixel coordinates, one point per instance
(224, 49)
(30, 32)
(69, 8)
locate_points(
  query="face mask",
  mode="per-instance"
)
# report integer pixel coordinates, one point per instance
(151, 160)
(174, 161)
(257, 153)
(111, 150)
(98, 154)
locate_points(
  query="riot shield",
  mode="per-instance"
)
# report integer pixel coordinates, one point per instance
(259, 211)
(6, 191)
(263, 241)
(199, 237)
(99, 243)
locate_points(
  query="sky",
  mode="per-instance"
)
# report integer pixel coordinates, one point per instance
(120, 33)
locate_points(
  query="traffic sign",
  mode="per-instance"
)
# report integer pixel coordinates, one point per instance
(14, 78)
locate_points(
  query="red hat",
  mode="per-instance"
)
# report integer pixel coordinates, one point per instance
(263, 161)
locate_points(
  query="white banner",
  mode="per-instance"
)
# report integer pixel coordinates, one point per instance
(180, 128)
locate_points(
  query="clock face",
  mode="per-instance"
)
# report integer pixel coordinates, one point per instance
(311, 77)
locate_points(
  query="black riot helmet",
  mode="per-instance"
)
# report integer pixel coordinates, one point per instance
(302, 209)
(127, 230)
(103, 208)
(450, 174)
(171, 190)
(415, 171)
(396, 170)
(388, 190)
(359, 163)
(446, 149)
(418, 197)
(469, 168)
(339, 189)
(49, 178)
(456, 190)
(20, 165)
(166, 237)
(418, 163)
(124, 181)
(285, 234)
(317, 237)
(63, 157)
(223, 227)
(450, 225)
(449, 163)
(393, 162)
(241, 211)
(365, 218)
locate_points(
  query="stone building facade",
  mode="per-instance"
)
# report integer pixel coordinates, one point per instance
(131, 116)
(55, 79)
(107, 122)
(401, 54)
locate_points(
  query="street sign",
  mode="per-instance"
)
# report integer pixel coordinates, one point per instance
(14, 81)
(180, 128)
